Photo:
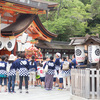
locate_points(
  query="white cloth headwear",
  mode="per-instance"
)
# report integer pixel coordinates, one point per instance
(58, 54)
(12, 57)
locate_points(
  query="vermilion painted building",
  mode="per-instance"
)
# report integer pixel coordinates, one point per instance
(21, 17)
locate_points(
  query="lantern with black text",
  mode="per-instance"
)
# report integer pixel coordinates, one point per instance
(10, 44)
(94, 53)
(79, 53)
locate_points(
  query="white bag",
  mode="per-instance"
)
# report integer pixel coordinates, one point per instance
(46, 68)
(65, 65)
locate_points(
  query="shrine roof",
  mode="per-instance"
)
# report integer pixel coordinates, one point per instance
(54, 45)
(26, 23)
(83, 40)
(22, 22)
(39, 4)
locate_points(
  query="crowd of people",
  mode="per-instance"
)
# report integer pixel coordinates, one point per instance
(47, 72)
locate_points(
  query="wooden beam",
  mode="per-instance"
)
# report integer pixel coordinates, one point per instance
(47, 38)
(32, 4)
(9, 18)
(17, 9)
(20, 9)
(34, 36)
(1, 11)
(6, 22)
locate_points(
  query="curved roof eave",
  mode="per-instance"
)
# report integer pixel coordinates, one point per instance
(43, 29)
(22, 23)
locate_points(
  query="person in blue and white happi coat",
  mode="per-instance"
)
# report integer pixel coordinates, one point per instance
(74, 61)
(23, 72)
(66, 73)
(49, 74)
(58, 62)
(11, 73)
(32, 71)
(3, 73)
(17, 71)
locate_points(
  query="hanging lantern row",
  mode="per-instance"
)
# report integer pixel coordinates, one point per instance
(93, 53)
(7, 43)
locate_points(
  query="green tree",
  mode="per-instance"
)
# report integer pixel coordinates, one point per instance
(94, 24)
(70, 19)
(86, 1)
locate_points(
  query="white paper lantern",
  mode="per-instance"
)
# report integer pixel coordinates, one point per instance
(24, 38)
(94, 53)
(79, 53)
(5, 40)
(10, 44)
(1, 43)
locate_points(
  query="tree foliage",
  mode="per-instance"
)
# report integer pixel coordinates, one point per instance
(94, 24)
(73, 18)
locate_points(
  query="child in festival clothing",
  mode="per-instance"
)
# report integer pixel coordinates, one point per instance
(42, 75)
(38, 76)
(41, 72)
(60, 80)
(44, 60)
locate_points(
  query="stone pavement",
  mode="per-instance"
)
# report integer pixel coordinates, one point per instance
(39, 93)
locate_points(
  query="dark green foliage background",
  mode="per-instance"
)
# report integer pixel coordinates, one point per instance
(73, 18)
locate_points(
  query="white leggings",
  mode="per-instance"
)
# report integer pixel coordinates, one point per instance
(68, 81)
(32, 76)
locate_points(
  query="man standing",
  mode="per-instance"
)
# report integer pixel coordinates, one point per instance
(74, 61)
(57, 62)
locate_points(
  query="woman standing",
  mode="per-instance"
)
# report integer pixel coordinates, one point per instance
(66, 72)
(3, 73)
(49, 74)
(32, 70)
(23, 72)
(12, 73)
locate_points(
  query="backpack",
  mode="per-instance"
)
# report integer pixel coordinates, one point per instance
(65, 65)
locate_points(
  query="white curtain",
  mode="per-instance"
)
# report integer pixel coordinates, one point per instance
(24, 38)
(22, 47)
